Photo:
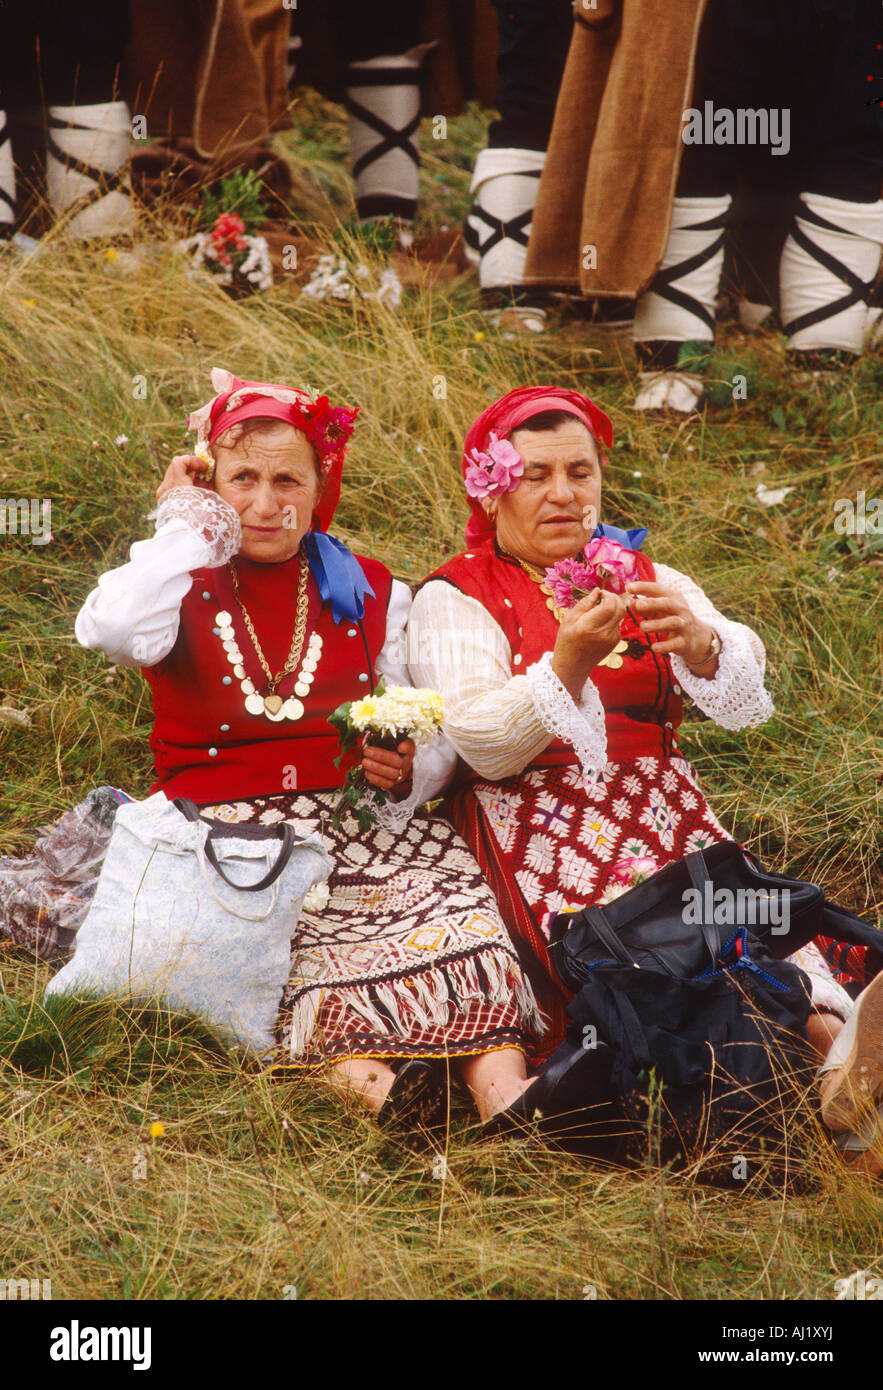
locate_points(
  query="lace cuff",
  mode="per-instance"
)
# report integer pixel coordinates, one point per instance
(396, 815)
(580, 725)
(209, 516)
(734, 697)
(433, 766)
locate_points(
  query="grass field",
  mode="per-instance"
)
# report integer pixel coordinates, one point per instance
(257, 1188)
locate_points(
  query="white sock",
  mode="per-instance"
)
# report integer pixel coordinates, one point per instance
(696, 232)
(677, 391)
(504, 184)
(383, 105)
(825, 305)
(7, 175)
(86, 142)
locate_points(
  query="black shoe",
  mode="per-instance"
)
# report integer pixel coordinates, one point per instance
(416, 1108)
(559, 1101)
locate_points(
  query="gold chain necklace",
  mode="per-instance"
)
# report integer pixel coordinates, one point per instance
(272, 704)
(613, 659)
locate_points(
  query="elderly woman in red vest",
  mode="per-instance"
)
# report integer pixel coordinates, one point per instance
(567, 718)
(252, 625)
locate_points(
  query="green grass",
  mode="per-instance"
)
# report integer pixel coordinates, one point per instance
(258, 1184)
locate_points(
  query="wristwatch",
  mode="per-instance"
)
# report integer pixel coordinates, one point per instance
(713, 649)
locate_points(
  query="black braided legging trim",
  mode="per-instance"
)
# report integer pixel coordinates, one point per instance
(391, 139)
(859, 289)
(662, 281)
(515, 229)
(104, 183)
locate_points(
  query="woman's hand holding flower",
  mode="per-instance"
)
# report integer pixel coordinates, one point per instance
(588, 632)
(387, 769)
(183, 471)
(669, 615)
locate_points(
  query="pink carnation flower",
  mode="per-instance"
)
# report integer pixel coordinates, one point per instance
(607, 565)
(570, 580)
(613, 565)
(496, 470)
(633, 870)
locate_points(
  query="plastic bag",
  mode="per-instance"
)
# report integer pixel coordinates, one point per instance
(45, 896)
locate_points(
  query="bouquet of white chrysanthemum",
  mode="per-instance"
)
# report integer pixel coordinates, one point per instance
(392, 713)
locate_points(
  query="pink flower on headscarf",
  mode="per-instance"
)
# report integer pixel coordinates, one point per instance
(332, 426)
(493, 471)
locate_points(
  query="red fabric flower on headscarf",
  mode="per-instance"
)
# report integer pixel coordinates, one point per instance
(503, 417)
(327, 427)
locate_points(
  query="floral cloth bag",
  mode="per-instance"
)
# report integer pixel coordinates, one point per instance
(197, 915)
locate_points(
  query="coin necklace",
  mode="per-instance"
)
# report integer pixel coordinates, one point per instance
(613, 659)
(272, 704)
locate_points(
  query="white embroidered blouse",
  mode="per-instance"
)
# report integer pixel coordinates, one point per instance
(499, 722)
(134, 613)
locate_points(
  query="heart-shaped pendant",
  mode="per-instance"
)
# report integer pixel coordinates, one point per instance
(273, 703)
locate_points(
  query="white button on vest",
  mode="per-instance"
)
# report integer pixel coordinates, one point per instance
(206, 594)
(516, 660)
(226, 680)
(508, 602)
(363, 676)
(351, 632)
(676, 689)
(225, 728)
(213, 752)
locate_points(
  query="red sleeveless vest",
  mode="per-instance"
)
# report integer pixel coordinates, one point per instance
(206, 745)
(641, 699)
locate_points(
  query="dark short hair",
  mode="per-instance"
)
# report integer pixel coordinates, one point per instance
(550, 420)
(547, 420)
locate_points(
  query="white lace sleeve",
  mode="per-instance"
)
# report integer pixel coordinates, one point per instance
(735, 696)
(497, 722)
(207, 514)
(581, 725)
(133, 614)
(434, 762)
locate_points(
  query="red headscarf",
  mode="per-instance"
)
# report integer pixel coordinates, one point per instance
(327, 427)
(504, 416)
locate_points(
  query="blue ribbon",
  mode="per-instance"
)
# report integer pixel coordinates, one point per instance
(340, 577)
(632, 540)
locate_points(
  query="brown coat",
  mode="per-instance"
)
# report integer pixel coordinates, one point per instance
(213, 71)
(615, 148)
(209, 70)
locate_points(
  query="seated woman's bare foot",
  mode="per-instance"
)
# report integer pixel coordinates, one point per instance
(851, 1080)
(821, 1030)
(369, 1080)
(495, 1080)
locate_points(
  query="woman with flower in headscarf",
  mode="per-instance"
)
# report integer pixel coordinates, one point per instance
(563, 655)
(252, 625)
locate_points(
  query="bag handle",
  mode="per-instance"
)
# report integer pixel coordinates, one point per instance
(608, 937)
(283, 832)
(699, 876)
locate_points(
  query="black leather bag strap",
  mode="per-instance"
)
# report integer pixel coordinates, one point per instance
(699, 876)
(607, 936)
(282, 832)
